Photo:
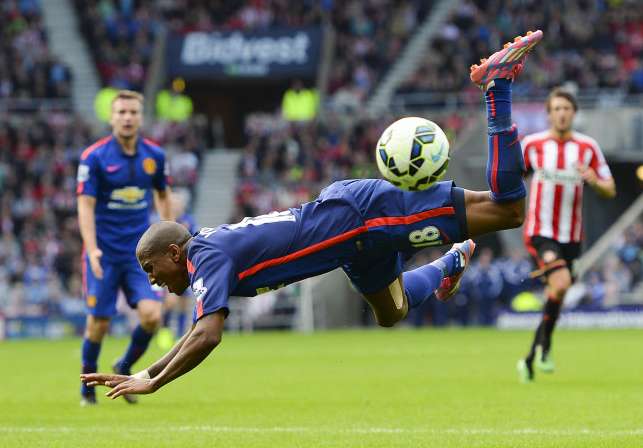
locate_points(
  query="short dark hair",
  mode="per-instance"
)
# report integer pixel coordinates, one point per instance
(559, 92)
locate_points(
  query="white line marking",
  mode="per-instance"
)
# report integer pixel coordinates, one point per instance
(310, 430)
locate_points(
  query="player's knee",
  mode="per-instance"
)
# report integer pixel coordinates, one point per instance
(96, 328)
(559, 289)
(150, 319)
(391, 318)
(559, 282)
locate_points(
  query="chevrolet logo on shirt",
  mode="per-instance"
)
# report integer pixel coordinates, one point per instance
(129, 195)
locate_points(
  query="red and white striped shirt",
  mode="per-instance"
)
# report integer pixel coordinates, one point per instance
(556, 192)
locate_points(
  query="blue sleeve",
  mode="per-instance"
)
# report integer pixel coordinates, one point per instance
(212, 282)
(87, 178)
(162, 173)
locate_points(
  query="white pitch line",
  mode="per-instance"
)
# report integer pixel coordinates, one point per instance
(310, 430)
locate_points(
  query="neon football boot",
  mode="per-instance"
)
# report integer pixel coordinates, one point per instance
(506, 63)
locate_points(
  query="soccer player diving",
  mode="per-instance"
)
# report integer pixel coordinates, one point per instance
(366, 227)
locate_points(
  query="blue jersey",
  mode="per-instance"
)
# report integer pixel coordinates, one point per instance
(122, 186)
(367, 227)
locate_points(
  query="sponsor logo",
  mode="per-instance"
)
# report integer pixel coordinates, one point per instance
(149, 165)
(559, 176)
(256, 52)
(198, 288)
(113, 168)
(83, 173)
(129, 195)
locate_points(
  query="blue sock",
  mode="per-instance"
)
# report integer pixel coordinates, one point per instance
(505, 167)
(498, 99)
(167, 318)
(180, 324)
(505, 164)
(89, 358)
(420, 283)
(138, 344)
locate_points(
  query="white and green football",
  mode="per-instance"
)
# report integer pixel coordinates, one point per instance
(413, 153)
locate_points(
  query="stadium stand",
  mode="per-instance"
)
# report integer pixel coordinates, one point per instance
(605, 55)
(283, 164)
(40, 247)
(27, 68)
(370, 36)
(121, 37)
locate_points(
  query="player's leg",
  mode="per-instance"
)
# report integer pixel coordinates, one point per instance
(391, 298)
(554, 265)
(503, 206)
(139, 294)
(558, 282)
(100, 299)
(170, 304)
(184, 308)
(389, 305)
(165, 337)
(541, 344)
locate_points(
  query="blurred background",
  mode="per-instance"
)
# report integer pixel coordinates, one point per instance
(261, 103)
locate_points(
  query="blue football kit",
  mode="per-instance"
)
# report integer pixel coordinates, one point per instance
(122, 185)
(367, 227)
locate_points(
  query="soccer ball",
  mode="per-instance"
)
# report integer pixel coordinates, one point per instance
(413, 153)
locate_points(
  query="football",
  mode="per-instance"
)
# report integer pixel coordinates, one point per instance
(413, 153)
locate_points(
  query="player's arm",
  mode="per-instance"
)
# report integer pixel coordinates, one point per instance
(192, 350)
(597, 175)
(105, 379)
(87, 224)
(162, 191)
(604, 187)
(159, 365)
(87, 189)
(205, 336)
(163, 204)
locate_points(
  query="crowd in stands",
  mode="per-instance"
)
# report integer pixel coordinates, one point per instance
(120, 36)
(40, 244)
(607, 54)
(621, 270)
(369, 35)
(27, 68)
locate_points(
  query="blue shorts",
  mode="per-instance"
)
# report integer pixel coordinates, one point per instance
(100, 294)
(401, 223)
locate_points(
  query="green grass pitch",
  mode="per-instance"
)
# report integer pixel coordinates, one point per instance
(406, 388)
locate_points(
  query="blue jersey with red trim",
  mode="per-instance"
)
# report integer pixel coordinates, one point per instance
(122, 185)
(352, 224)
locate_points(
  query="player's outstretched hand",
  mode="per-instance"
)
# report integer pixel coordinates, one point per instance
(103, 379)
(131, 386)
